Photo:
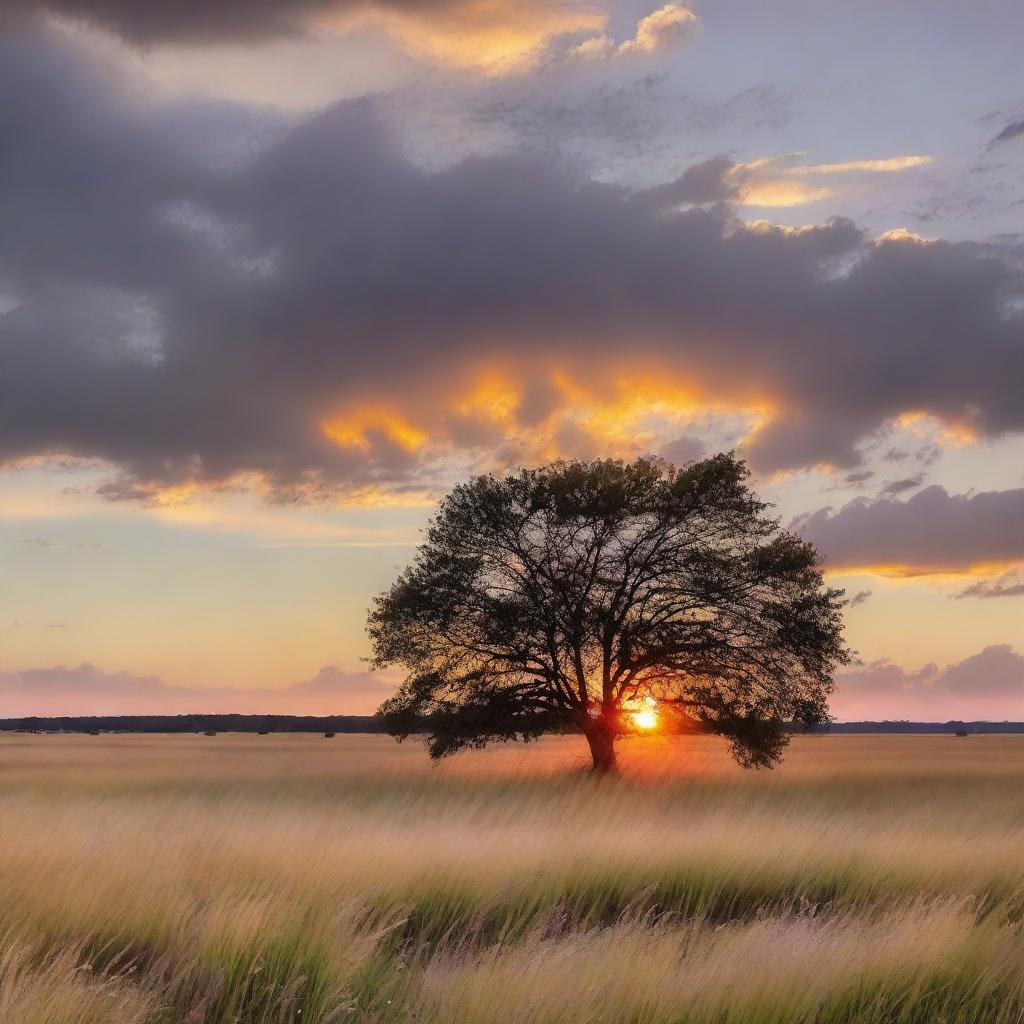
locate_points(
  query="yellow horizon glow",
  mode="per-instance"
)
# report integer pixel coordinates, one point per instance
(934, 574)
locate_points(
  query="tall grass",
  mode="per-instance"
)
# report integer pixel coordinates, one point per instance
(268, 879)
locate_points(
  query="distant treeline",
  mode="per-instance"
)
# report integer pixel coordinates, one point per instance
(197, 723)
(373, 724)
(924, 727)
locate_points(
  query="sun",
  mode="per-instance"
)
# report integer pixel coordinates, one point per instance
(646, 719)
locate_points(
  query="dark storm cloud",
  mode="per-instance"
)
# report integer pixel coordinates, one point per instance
(930, 532)
(190, 318)
(148, 22)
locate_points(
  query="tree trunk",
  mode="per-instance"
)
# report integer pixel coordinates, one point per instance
(602, 749)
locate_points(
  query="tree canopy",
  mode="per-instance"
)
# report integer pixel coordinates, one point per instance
(573, 596)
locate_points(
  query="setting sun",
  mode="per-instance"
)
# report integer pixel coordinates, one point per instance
(646, 719)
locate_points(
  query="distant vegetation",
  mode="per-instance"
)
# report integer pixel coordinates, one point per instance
(278, 880)
(263, 724)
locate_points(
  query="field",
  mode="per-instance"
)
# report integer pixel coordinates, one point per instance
(300, 879)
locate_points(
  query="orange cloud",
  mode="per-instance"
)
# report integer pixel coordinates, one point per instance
(913, 570)
(355, 429)
(496, 36)
(923, 424)
(494, 419)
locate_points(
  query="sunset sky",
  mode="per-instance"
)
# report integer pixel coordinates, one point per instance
(274, 275)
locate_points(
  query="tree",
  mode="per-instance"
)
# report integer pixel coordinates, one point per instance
(569, 597)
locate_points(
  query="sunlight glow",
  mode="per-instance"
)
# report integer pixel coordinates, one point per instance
(646, 719)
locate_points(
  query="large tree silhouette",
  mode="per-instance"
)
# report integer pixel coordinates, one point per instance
(565, 598)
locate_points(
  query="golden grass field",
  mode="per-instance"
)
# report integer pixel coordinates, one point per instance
(299, 879)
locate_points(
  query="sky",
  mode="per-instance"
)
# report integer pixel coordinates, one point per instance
(275, 275)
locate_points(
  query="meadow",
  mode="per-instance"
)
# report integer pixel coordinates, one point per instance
(293, 878)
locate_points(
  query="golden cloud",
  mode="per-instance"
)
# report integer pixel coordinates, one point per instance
(781, 192)
(357, 428)
(496, 36)
(895, 163)
(491, 420)
(775, 181)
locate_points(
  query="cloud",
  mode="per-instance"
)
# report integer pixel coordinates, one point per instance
(933, 531)
(706, 182)
(152, 22)
(1010, 584)
(987, 685)
(334, 680)
(779, 181)
(858, 477)
(684, 449)
(1014, 130)
(902, 235)
(208, 300)
(859, 598)
(782, 193)
(666, 27)
(88, 690)
(885, 166)
(908, 483)
(492, 34)
(997, 671)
